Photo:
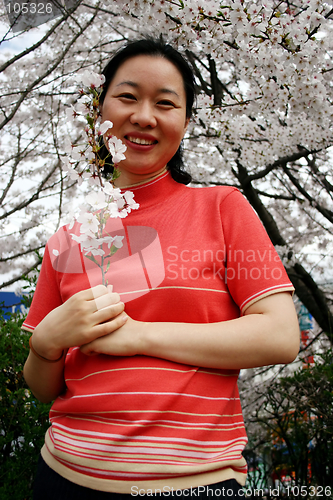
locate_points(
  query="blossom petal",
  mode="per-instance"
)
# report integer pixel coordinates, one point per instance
(105, 126)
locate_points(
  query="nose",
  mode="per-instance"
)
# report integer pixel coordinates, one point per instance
(144, 115)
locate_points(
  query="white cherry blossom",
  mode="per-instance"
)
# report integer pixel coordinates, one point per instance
(89, 223)
(105, 126)
(112, 191)
(96, 200)
(118, 241)
(130, 202)
(82, 239)
(95, 251)
(254, 122)
(108, 201)
(72, 113)
(117, 149)
(90, 79)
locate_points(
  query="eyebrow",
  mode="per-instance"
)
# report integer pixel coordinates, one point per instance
(136, 85)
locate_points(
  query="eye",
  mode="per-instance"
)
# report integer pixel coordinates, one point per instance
(127, 96)
(166, 103)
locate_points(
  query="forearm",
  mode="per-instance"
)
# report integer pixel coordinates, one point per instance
(236, 344)
(86, 315)
(256, 339)
(46, 380)
(267, 334)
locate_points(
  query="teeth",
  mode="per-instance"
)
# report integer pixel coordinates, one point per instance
(144, 142)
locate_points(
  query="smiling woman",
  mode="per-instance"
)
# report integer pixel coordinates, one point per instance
(146, 102)
(144, 376)
(169, 93)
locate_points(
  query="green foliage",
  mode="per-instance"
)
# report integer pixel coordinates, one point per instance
(24, 420)
(299, 419)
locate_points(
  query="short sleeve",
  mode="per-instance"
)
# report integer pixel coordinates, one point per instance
(46, 297)
(253, 268)
(62, 275)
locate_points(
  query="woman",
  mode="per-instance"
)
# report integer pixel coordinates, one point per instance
(146, 397)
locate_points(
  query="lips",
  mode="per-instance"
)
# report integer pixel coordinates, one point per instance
(139, 141)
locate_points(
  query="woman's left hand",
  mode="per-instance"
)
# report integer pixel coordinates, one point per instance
(125, 341)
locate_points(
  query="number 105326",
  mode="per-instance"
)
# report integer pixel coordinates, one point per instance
(309, 491)
(29, 8)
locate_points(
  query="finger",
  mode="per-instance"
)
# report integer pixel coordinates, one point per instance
(100, 290)
(96, 292)
(110, 326)
(108, 313)
(105, 301)
(93, 293)
(88, 350)
(103, 330)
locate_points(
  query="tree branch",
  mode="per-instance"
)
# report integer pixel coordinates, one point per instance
(44, 75)
(41, 41)
(306, 288)
(328, 214)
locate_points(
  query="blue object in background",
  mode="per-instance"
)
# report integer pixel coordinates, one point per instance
(305, 319)
(10, 302)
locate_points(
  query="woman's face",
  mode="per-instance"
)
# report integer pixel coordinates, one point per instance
(146, 102)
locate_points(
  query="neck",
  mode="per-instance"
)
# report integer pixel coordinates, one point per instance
(121, 181)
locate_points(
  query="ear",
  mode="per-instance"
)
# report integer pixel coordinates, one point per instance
(187, 121)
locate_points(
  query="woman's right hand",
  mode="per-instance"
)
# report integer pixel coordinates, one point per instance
(84, 317)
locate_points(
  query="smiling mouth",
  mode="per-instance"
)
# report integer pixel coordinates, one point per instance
(143, 142)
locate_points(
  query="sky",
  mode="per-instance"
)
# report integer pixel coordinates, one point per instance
(16, 42)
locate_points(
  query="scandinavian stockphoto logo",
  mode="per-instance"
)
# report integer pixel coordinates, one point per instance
(224, 264)
(24, 15)
(135, 269)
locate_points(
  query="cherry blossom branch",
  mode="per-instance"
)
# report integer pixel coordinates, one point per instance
(109, 202)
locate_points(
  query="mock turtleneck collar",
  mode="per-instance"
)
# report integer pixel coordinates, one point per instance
(156, 190)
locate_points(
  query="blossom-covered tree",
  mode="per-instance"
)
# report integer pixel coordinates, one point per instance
(290, 424)
(263, 118)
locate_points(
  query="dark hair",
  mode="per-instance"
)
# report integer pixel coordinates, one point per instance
(156, 48)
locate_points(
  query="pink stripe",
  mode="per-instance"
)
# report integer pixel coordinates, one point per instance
(179, 423)
(286, 286)
(121, 437)
(139, 393)
(144, 450)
